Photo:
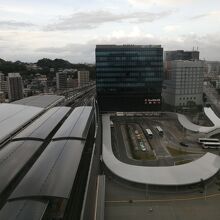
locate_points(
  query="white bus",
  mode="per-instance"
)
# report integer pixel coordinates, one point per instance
(111, 124)
(149, 133)
(210, 140)
(213, 145)
(160, 130)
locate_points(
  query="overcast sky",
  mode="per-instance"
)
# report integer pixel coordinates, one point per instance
(70, 29)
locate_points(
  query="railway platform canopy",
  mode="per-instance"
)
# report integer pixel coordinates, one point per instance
(13, 117)
(43, 101)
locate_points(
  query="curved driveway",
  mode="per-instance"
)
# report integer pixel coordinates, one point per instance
(190, 173)
(186, 123)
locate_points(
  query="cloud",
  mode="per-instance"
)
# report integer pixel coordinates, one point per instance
(213, 14)
(30, 46)
(78, 53)
(16, 9)
(93, 19)
(15, 24)
(162, 2)
(171, 28)
(209, 45)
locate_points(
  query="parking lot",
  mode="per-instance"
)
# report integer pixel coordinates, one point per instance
(174, 146)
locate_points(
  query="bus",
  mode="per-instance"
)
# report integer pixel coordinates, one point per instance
(213, 145)
(111, 124)
(210, 140)
(160, 130)
(149, 133)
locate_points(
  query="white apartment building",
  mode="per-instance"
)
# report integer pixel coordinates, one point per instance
(83, 78)
(184, 84)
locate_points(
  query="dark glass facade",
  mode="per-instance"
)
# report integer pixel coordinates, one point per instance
(181, 55)
(129, 77)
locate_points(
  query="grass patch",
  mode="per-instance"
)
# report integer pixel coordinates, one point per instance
(174, 152)
(183, 162)
(143, 155)
(137, 154)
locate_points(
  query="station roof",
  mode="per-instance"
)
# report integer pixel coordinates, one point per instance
(54, 172)
(24, 210)
(43, 101)
(190, 173)
(44, 125)
(186, 123)
(13, 117)
(77, 125)
(13, 157)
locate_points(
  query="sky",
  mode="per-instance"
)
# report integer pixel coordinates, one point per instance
(70, 29)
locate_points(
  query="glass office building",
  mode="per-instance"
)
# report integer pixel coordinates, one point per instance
(129, 77)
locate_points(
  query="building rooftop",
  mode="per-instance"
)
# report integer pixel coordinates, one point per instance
(127, 46)
(14, 75)
(43, 101)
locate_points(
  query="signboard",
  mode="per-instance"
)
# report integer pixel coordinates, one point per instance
(152, 101)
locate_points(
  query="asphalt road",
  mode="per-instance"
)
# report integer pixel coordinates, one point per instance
(186, 210)
(162, 205)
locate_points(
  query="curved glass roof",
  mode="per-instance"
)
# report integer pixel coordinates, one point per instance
(24, 210)
(42, 127)
(13, 157)
(43, 101)
(53, 173)
(77, 125)
(14, 117)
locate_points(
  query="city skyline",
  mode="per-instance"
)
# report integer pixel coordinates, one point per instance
(70, 30)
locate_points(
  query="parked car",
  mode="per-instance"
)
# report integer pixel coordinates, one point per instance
(184, 144)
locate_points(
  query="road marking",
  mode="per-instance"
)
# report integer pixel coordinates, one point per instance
(166, 200)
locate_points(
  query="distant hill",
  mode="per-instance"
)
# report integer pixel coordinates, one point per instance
(56, 64)
(8, 66)
(45, 64)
